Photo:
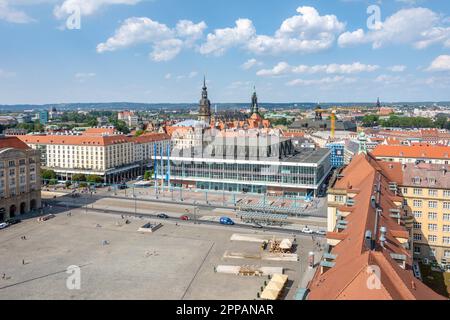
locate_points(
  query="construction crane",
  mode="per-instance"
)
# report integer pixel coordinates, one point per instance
(333, 123)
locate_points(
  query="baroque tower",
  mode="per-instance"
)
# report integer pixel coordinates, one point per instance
(204, 107)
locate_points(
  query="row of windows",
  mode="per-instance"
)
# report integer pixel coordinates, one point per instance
(432, 204)
(432, 227)
(431, 192)
(431, 215)
(432, 238)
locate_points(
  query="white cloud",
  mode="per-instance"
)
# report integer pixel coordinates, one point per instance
(192, 74)
(305, 32)
(6, 74)
(250, 63)
(10, 14)
(388, 79)
(420, 27)
(284, 68)
(397, 68)
(83, 76)
(168, 76)
(323, 81)
(167, 43)
(222, 39)
(441, 63)
(86, 7)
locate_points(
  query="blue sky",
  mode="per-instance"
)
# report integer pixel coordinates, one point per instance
(158, 50)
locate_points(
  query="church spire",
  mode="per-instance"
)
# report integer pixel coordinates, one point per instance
(204, 108)
(254, 107)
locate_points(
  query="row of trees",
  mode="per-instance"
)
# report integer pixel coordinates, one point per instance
(50, 175)
(372, 120)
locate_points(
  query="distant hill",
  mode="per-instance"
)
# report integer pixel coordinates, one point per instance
(187, 106)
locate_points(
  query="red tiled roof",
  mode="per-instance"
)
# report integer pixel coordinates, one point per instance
(12, 142)
(349, 276)
(414, 151)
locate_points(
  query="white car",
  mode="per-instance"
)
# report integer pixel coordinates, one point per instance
(3, 225)
(307, 230)
(321, 232)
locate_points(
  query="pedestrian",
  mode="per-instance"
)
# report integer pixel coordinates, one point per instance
(23, 261)
(4, 276)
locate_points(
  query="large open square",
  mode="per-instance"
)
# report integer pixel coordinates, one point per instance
(175, 262)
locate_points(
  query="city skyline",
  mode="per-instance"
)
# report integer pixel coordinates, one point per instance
(158, 51)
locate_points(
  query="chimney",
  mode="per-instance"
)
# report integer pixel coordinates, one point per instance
(368, 241)
(383, 239)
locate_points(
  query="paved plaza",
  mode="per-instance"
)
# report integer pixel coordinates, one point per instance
(117, 262)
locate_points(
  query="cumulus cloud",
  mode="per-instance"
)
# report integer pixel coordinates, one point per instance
(397, 68)
(441, 63)
(13, 15)
(283, 68)
(250, 63)
(420, 27)
(323, 81)
(166, 42)
(83, 76)
(86, 8)
(222, 39)
(305, 32)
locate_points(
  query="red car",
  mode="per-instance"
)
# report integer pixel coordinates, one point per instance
(185, 218)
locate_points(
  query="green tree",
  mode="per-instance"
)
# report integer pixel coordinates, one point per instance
(148, 175)
(94, 179)
(48, 175)
(370, 120)
(139, 133)
(79, 177)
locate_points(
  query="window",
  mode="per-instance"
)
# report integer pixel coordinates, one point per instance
(417, 237)
(446, 205)
(447, 193)
(433, 238)
(417, 250)
(417, 214)
(447, 254)
(446, 240)
(417, 191)
(405, 191)
(417, 203)
(417, 225)
(339, 198)
(432, 216)
(432, 252)
(432, 204)
(432, 227)
(432, 192)
(446, 216)
(446, 228)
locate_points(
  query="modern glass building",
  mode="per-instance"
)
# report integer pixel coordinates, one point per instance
(245, 162)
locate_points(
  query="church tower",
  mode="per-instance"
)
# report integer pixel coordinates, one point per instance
(254, 107)
(204, 107)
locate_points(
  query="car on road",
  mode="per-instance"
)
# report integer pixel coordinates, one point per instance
(320, 232)
(46, 217)
(307, 230)
(227, 221)
(13, 221)
(184, 218)
(3, 225)
(163, 216)
(140, 178)
(257, 226)
(122, 186)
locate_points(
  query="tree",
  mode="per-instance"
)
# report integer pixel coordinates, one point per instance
(148, 175)
(139, 133)
(370, 120)
(79, 177)
(48, 175)
(94, 179)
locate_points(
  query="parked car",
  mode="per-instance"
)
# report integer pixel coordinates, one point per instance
(307, 230)
(13, 221)
(184, 217)
(140, 178)
(163, 216)
(321, 232)
(3, 225)
(226, 221)
(257, 226)
(122, 186)
(46, 217)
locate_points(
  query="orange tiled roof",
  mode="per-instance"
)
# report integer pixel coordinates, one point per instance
(413, 151)
(12, 142)
(349, 276)
(75, 140)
